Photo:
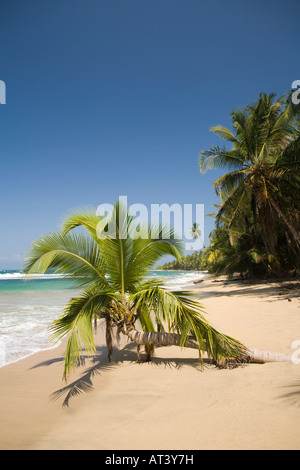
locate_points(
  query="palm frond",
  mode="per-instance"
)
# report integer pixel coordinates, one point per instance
(228, 182)
(77, 322)
(128, 255)
(83, 216)
(217, 157)
(224, 133)
(180, 313)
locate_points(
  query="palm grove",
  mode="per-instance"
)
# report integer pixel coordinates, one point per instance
(257, 230)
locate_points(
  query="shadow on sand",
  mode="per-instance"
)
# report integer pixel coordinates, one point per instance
(272, 291)
(99, 363)
(293, 396)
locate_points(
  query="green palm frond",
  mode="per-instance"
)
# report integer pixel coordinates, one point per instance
(77, 322)
(73, 255)
(224, 133)
(128, 259)
(227, 183)
(217, 157)
(83, 216)
(179, 312)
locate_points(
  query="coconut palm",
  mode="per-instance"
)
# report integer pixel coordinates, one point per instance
(116, 289)
(195, 231)
(263, 177)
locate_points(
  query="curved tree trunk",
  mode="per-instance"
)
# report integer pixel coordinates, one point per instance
(173, 339)
(108, 336)
(160, 339)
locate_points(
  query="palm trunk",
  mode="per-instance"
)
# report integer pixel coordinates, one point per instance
(290, 226)
(108, 336)
(173, 339)
(160, 339)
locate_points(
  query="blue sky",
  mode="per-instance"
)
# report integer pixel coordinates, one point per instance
(117, 97)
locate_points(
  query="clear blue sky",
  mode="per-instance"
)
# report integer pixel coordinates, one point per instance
(116, 97)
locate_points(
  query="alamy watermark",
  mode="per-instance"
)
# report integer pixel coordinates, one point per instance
(187, 222)
(2, 92)
(296, 94)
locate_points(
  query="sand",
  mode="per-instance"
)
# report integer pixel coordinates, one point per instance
(168, 403)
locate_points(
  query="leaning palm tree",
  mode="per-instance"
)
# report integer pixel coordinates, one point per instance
(113, 272)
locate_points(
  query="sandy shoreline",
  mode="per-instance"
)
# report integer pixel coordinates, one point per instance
(168, 403)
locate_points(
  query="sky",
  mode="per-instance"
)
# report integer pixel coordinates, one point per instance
(117, 97)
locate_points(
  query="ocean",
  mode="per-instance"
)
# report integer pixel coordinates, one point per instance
(27, 308)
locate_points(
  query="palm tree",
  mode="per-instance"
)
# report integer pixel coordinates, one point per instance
(263, 179)
(195, 231)
(113, 273)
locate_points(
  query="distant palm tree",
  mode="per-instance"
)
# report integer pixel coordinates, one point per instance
(113, 273)
(262, 181)
(195, 231)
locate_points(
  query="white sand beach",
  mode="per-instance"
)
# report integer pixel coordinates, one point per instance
(168, 403)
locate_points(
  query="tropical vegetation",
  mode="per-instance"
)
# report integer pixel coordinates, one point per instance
(258, 219)
(196, 261)
(257, 232)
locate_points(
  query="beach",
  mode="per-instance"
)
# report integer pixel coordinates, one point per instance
(169, 403)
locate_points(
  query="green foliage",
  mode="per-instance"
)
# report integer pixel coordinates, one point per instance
(112, 272)
(197, 261)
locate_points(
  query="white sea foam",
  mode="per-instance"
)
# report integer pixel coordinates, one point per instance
(25, 317)
(181, 280)
(24, 330)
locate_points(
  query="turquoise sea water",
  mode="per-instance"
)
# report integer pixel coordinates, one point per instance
(28, 307)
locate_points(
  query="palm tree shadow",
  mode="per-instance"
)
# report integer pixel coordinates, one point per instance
(100, 363)
(129, 354)
(292, 397)
(84, 383)
(178, 363)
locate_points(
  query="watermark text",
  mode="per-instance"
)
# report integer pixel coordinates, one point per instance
(187, 222)
(296, 354)
(296, 94)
